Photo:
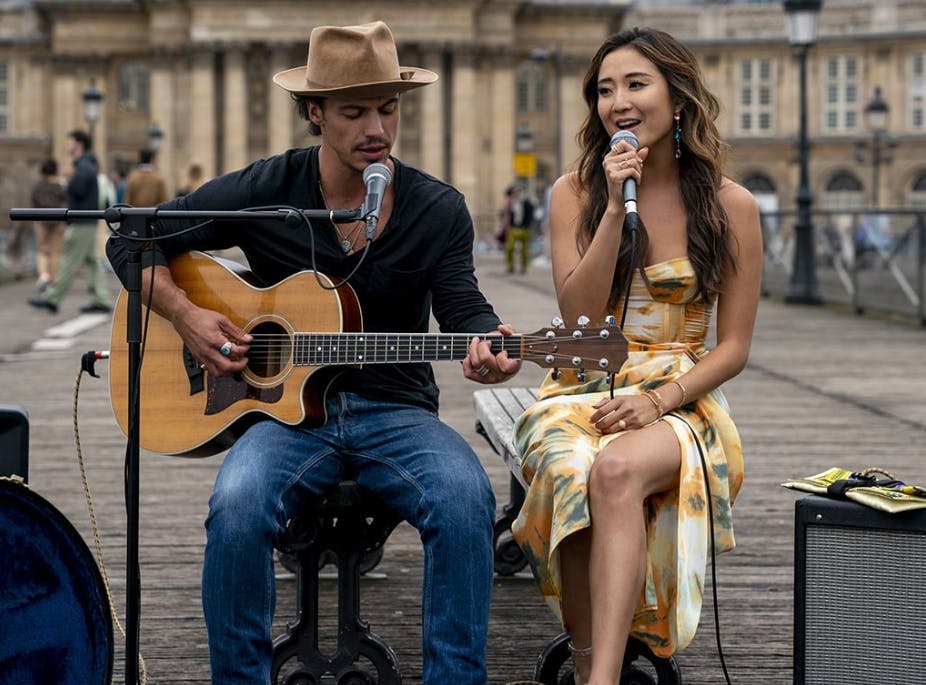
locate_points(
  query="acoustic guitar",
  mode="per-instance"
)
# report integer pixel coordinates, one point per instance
(304, 335)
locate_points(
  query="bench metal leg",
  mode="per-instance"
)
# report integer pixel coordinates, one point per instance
(509, 559)
(641, 666)
(350, 529)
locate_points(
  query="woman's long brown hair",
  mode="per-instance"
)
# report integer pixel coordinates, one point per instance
(700, 165)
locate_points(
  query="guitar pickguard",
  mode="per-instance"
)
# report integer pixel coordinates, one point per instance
(222, 393)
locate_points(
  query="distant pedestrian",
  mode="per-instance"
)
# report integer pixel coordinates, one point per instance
(145, 187)
(47, 193)
(520, 220)
(80, 236)
(194, 179)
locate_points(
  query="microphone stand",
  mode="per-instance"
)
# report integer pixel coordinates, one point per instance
(135, 223)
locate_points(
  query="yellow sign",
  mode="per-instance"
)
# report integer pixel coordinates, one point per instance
(525, 164)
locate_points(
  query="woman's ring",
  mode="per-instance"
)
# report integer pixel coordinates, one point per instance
(226, 349)
(483, 370)
(622, 424)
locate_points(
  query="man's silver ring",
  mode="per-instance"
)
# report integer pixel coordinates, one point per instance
(483, 370)
(226, 349)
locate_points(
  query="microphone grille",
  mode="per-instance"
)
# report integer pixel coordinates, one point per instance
(628, 136)
(377, 168)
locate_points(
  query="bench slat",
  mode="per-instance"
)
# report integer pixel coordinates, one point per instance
(496, 411)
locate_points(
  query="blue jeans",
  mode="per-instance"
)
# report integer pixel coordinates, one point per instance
(416, 464)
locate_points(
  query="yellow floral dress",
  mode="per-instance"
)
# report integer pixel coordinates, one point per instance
(666, 329)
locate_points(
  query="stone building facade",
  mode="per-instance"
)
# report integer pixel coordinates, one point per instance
(508, 101)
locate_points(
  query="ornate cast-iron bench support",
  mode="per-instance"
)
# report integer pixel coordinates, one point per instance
(350, 526)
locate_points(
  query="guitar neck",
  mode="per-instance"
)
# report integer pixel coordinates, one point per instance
(323, 349)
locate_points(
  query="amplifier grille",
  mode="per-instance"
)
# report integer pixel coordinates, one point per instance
(864, 593)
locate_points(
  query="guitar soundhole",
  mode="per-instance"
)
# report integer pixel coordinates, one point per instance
(271, 350)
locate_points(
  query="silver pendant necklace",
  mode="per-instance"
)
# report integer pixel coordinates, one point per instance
(346, 241)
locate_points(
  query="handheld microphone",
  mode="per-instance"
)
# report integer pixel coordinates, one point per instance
(630, 185)
(377, 178)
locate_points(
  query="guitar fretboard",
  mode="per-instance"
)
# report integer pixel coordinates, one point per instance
(320, 349)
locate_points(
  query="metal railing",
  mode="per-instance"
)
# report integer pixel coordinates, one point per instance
(865, 259)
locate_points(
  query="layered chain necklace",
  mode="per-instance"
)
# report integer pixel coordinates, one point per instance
(346, 239)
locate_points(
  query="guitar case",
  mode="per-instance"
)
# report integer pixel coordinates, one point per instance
(55, 625)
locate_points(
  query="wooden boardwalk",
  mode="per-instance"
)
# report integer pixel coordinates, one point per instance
(823, 388)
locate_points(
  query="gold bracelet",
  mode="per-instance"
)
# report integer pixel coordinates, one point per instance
(684, 392)
(654, 397)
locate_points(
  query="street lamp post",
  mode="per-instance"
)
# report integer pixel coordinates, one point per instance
(876, 112)
(155, 137)
(802, 32)
(93, 106)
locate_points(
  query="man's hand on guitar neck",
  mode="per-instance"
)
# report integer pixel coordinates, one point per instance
(482, 366)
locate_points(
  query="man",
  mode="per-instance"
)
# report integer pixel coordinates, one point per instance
(80, 236)
(382, 425)
(145, 187)
(520, 219)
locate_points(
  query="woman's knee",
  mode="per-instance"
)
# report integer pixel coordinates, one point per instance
(612, 474)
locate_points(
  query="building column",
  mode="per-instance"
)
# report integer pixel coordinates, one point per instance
(162, 98)
(464, 169)
(235, 111)
(66, 104)
(280, 106)
(432, 117)
(502, 133)
(202, 124)
(573, 110)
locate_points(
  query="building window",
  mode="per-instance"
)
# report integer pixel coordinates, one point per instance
(755, 96)
(917, 91)
(531, 84)
(4, 97)
(134, 83)
(841, 89)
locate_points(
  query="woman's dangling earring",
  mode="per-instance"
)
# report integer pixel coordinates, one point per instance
(678, 135)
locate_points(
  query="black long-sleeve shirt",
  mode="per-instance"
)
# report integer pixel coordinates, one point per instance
(422, 261)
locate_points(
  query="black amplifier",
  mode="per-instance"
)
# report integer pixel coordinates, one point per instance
(859, 594)
(14, 441)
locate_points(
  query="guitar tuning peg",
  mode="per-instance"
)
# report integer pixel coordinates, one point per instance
(603, 364)
(610, 319)
(557, 322)
(581, 375)
(583, 321)
(556, 374)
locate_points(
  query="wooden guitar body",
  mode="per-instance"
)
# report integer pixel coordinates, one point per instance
(183, 411)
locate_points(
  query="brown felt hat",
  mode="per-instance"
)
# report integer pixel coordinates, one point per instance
(359, 61)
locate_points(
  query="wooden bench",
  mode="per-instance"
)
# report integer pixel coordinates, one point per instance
(497, 409)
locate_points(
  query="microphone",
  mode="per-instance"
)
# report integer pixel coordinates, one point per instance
(377, 178)
(630, 184)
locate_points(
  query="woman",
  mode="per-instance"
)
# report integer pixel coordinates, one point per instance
(49, 235)
(614, 523)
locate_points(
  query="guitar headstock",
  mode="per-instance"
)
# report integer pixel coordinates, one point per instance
(583, 348)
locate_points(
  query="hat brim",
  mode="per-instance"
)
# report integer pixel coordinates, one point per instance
(294, 81)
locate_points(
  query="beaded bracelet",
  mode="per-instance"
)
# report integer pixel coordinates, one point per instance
(684, 393)
(654, 397)
(579, 651)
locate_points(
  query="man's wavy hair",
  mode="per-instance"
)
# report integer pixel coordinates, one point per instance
(700, 165)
